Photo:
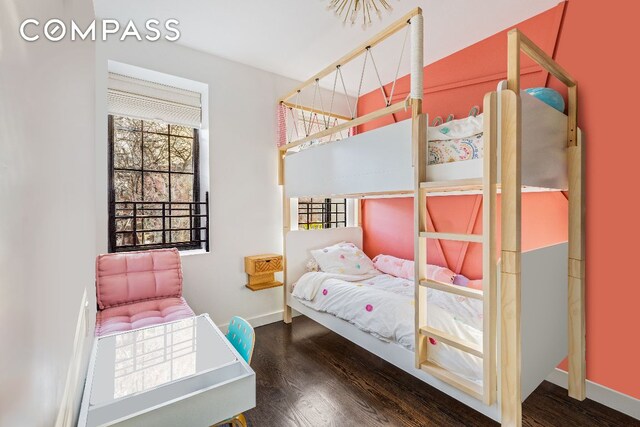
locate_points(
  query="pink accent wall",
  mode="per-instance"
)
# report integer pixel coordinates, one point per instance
(608, 92)
(586, 38)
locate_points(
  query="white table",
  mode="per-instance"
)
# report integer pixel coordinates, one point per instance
(182, 373)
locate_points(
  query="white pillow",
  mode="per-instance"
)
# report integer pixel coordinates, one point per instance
(343, 258)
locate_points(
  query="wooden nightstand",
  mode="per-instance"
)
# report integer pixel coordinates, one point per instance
(260, 269)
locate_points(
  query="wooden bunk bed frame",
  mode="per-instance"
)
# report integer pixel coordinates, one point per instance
(502, 116)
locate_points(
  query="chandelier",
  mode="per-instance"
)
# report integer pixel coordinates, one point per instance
(351, 10)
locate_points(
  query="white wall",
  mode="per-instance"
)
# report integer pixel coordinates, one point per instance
(47, 218)
(245, 198)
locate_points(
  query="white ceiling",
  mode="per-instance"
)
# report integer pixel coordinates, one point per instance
(297, 38)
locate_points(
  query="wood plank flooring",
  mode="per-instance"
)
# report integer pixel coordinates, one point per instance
(310, 376)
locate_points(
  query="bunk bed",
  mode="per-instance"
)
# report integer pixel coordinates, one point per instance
(526, 297)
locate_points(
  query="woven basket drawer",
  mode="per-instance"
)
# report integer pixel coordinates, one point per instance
(268, 265)
(263, 264)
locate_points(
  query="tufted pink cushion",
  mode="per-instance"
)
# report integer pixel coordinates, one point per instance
(124, 278)
(141, 314)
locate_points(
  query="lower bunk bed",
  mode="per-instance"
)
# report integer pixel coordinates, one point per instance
(375, 311)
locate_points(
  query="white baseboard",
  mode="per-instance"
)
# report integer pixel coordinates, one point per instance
(613, 399)
(260, 320)
(265, 319)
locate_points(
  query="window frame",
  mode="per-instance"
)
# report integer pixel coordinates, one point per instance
(329, 207)
(195, 219)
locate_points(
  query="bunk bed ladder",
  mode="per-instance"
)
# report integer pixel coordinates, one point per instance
(487, 350)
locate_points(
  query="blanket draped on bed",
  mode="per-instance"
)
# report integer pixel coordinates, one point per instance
(383, 305)
(311, 282)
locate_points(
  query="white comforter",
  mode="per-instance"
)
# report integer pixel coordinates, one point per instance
(382, 305)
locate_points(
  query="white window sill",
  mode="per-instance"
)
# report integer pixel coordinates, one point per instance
(192, 252)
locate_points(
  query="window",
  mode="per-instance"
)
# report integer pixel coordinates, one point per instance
(154, 199)
(317, 213)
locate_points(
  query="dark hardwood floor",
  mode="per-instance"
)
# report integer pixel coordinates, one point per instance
(310, 376)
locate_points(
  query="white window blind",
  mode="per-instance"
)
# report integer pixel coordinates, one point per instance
(141, 99)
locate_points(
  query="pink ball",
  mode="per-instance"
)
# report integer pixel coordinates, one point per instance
(324, 292)
(369, 307)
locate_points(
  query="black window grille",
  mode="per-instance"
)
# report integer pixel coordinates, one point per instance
(318, 213)
(154, 195)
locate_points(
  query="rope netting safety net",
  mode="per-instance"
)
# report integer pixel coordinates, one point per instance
(313, 110)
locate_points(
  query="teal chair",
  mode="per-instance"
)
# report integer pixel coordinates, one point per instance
(243, 338)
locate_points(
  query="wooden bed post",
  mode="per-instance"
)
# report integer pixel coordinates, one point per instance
(489, 255)
(577, 311)
(511, 279)
(419, 142)
(286, 225)
(286, 221)
(511, 250)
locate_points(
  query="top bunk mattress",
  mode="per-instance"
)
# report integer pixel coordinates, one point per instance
(380, 161)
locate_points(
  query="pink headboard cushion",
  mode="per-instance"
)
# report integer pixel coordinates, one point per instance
(124, 278)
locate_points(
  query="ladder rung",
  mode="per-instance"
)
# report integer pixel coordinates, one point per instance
(473, 238)
(448, 339)
(455, 380)
(453, 289)
(452, 185)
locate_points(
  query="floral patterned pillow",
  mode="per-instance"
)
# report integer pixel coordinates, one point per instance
(343, 258)
(456, 150)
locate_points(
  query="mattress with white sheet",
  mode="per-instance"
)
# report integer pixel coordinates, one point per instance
(383, 305)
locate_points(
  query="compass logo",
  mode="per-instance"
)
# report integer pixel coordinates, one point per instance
(55, 30)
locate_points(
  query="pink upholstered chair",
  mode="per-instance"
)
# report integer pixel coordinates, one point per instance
(137, 289)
